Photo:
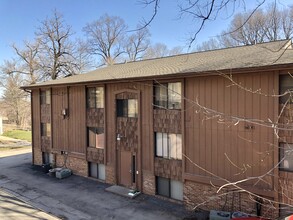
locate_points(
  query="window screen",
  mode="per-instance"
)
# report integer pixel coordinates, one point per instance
(176, 189)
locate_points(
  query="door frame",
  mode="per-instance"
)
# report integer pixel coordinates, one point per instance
(138, 182)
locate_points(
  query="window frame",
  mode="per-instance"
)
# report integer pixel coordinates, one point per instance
(45, 97)
(170, 183)
(46, 129)
(283, 87)
(98, 168)
(167, 150)
(164, 89)
(96, 103)
(283, 147)
(123, 108)
(96, 133)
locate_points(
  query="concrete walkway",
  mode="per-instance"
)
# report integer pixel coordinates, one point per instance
(78, 198)
(15, 209)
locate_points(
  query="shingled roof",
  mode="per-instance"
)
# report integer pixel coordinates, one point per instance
(258, 55)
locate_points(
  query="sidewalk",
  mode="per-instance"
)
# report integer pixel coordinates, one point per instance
(15, 209)
(11, 142)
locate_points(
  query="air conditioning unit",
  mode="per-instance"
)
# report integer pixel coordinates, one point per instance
(63, 173)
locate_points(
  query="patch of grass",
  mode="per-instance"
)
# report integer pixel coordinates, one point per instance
(19, 134)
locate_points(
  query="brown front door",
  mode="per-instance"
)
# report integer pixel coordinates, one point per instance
(126, 169)
(127, 139)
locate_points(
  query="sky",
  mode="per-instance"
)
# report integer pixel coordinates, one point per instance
(20, 19)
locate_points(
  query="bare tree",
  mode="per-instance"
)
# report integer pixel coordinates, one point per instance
(105, 38)
(161, 50)
(137, 44)
(16, 104)
(261, 26)
(27, 62)
(57, 52)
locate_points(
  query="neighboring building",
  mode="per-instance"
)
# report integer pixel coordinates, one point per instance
(176, 126)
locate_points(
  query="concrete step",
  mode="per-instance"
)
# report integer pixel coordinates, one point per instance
(122, 191)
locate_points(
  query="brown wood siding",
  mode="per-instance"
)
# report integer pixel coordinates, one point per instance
(167, 121)
(95, 155)
(46, 113)
(95, 117)
(146, 111)
(286, 121)
(36, 120)
(76, 120)
(59, 122)
(128, 128)
(223, 146)
(168, 168)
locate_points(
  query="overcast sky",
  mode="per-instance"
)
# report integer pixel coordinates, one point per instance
(19, 19)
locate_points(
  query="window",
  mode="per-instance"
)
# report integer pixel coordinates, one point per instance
(45, 129)
(95, 97)
(286, 156)
(97, 170)
(127, 108)
(169, 188)
(96, 137)
(286, 84)
(168, 95)
(169, 145)
(45, 97)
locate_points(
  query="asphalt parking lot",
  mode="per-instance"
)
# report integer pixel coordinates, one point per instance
(75, 197)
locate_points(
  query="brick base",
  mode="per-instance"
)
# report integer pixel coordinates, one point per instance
(110, 175)
(77, 165)
(38, 156)
(205, 197)
(149, 183)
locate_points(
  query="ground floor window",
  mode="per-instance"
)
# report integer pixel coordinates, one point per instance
(45, 129)
(48, 158)
(97, 170)
(169, 188)
(169, 145)
(286, 156)
(96, 137)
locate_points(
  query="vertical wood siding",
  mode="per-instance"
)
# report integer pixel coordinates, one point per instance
(77, 120)
(223, 147)
(36, 120)
(59, 123)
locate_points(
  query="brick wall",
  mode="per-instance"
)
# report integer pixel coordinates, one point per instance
(205, 197)
(110, 175)
(148, 183)
(38, 156)
(77, 165)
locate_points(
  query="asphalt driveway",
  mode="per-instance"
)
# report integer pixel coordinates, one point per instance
(77, 197)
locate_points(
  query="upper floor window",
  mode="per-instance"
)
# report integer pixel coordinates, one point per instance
(95, 97)
(168, 95)
(45, 129)
(286, 85)
(169, 145)
(46, 97)
(286, 156)
(127, 108)
(96, 137)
